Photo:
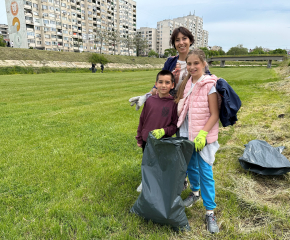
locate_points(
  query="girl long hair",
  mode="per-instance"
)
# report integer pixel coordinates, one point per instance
(201, 56)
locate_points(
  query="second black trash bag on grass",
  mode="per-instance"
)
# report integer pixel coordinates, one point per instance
(260, 157)
(164, 166)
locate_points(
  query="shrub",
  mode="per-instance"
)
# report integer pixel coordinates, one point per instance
(96, 58)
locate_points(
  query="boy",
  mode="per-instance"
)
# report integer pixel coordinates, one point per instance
(159, 113)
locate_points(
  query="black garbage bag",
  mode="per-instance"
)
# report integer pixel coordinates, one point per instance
(164, 166)
(260, 157)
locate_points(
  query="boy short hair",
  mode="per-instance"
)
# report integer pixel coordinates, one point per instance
(164, 73)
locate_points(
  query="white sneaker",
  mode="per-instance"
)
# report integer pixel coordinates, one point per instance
(139, 189)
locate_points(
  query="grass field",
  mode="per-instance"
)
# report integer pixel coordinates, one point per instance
(70, 166)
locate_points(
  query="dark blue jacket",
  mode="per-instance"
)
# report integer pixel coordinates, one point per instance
(230, 105)
(170, 63)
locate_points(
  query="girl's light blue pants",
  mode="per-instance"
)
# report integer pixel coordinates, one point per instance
(200, 176)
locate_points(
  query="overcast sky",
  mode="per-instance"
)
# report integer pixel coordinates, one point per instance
(252, 23)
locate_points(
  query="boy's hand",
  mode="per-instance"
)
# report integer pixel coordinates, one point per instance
(200, 140)
(139, 145)
(158, 133)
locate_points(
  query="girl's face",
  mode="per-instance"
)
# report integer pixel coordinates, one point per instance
(182, 43)
(195, 66)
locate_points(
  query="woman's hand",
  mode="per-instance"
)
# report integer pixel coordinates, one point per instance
(139, 101)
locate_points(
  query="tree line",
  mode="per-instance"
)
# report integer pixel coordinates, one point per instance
(240, 50)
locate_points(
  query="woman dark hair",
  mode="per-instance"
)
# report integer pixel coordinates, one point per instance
(184, 31)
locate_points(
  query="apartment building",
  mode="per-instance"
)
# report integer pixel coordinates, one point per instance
(4, 31)
(71, 25)
(150, 34)
(191, 22)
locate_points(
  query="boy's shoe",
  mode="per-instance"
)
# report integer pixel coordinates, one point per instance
(211, 223)
(139, 188)
(191, 199)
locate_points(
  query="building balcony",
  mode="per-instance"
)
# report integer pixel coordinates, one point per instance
(28, 14)
(27, 7)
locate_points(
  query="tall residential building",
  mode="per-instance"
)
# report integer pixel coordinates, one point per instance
(4, 31)
(150, 34)
(70, 25)
(191, 22)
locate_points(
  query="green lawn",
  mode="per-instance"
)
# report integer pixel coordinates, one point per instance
(70, 165)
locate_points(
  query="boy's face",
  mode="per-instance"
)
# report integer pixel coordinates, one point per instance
(164, 85)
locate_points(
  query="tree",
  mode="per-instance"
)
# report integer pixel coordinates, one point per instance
(221, 52)
(114, 38)
(278, 51)
(152, 53)
(97, 58)
(101, 37)
(257, 50)
(170, 52)
(2, 42)
(238, 50)
(140, 43)
(128, 41)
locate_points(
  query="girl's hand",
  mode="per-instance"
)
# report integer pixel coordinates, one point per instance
(139, 145)
(200, 140)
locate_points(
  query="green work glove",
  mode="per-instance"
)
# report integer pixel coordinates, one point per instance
(200, 140)
(158, 133)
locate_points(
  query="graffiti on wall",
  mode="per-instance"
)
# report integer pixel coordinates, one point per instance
(16, 23)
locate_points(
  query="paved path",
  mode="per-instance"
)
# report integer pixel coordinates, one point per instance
(33, 63)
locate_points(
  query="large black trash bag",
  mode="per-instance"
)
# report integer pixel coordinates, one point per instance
(260, 157)
(164, 166)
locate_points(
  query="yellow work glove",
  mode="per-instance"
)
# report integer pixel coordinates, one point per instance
(200, 140)
(158, 133)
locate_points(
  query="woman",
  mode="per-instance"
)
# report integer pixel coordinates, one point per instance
(181, 39)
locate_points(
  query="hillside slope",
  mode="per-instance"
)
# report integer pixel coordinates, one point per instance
(39, 55)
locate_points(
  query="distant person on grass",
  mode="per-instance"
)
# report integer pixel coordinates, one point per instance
(94, 68)
(159, 114)
(199, 122)
(102, 67)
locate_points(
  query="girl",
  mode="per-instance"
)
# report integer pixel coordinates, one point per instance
(199, 122)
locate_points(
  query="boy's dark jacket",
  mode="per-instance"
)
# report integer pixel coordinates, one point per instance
(230, 105)
(157, 113)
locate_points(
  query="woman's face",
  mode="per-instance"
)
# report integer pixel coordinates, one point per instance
(182, 43)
